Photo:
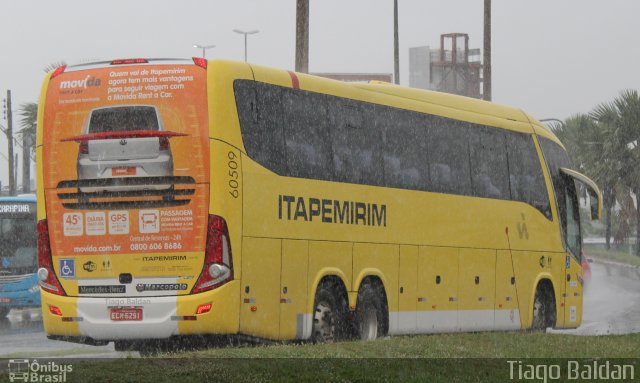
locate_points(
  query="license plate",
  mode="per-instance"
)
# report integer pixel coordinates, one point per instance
(125, 171)
(5, 300)
(126, 314)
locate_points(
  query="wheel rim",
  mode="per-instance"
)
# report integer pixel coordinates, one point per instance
(324, 322)
(369, 324)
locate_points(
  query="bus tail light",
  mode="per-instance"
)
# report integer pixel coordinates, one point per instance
(200, 61)
(218, 264)
(47, 276)
(58, 71)
(84, 147)
(164, 143)
(203, 309)
(55, 311)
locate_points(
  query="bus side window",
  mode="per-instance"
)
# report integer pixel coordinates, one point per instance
(355, 143)
(525, 173)
(448, 152)
(404, 149)
(259, 112)
(305, 121)
(572, 214)
(489, 172)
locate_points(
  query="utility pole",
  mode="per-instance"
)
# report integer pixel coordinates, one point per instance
(302, 36)
(9, 133)
(486, 68)
(396, 49)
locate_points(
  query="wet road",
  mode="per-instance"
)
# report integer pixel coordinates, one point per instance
(611, 301)
(612, 306)
(22, 334)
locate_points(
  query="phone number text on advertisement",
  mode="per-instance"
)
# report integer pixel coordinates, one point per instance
(155, 246)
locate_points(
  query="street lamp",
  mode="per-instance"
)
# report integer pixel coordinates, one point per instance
(204, 49)
(245, 39)
(553, 120)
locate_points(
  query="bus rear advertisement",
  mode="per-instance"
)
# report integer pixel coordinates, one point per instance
(125, 175)
(181, 197)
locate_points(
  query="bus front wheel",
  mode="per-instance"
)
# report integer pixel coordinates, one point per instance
(543, 308)
(3, 312)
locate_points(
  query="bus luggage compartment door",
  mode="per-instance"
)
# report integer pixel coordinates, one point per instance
(260, 289)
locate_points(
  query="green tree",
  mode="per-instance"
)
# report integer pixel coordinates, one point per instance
(586, 142)
(29, 116)
(620, 120)
(28, 122)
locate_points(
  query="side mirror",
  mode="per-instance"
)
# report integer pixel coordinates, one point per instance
(595, 197)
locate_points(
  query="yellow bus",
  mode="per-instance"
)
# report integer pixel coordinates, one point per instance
(180, 197)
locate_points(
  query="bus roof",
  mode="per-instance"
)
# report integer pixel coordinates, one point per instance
(511, 116)
(125, 62)
(458, 107)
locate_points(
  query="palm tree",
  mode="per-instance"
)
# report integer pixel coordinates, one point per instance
(621, 121)
(586, 142)
(29, 113)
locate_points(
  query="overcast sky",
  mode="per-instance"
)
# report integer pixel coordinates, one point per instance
(552, 58)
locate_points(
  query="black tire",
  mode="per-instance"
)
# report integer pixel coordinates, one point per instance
(330, 321)
(370, 313)
(544, 310)
(4, 311)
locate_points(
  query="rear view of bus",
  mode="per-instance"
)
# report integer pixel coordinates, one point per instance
(127, 247)
(18, 262)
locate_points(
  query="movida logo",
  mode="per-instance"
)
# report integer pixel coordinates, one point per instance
(83, 83)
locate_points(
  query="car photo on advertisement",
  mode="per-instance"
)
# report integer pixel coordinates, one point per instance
(124, 148)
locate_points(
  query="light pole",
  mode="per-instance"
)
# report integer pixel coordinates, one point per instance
(204, 49)
(396, 55)
(245, 39)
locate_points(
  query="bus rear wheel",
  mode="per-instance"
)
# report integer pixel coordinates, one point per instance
(3, 312)
(369, 313)
(329, 315)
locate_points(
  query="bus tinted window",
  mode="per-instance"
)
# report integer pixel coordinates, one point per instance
(309, 135)
(556, 157)
(355, 144)
(449, 157)
(572, 225)
(489, 172)
(525, 174)
(261, 123)
(404, 149)
(306, 134)
(18, 237)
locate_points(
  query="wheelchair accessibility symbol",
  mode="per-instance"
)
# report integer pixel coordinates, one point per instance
(67, 268)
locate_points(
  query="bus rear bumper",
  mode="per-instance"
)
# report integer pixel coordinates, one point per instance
(161, 317)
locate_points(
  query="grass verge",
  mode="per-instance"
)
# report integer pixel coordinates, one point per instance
(611, 255)
(481, 357)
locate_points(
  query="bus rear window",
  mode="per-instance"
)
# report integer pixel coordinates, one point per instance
(123, 119)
